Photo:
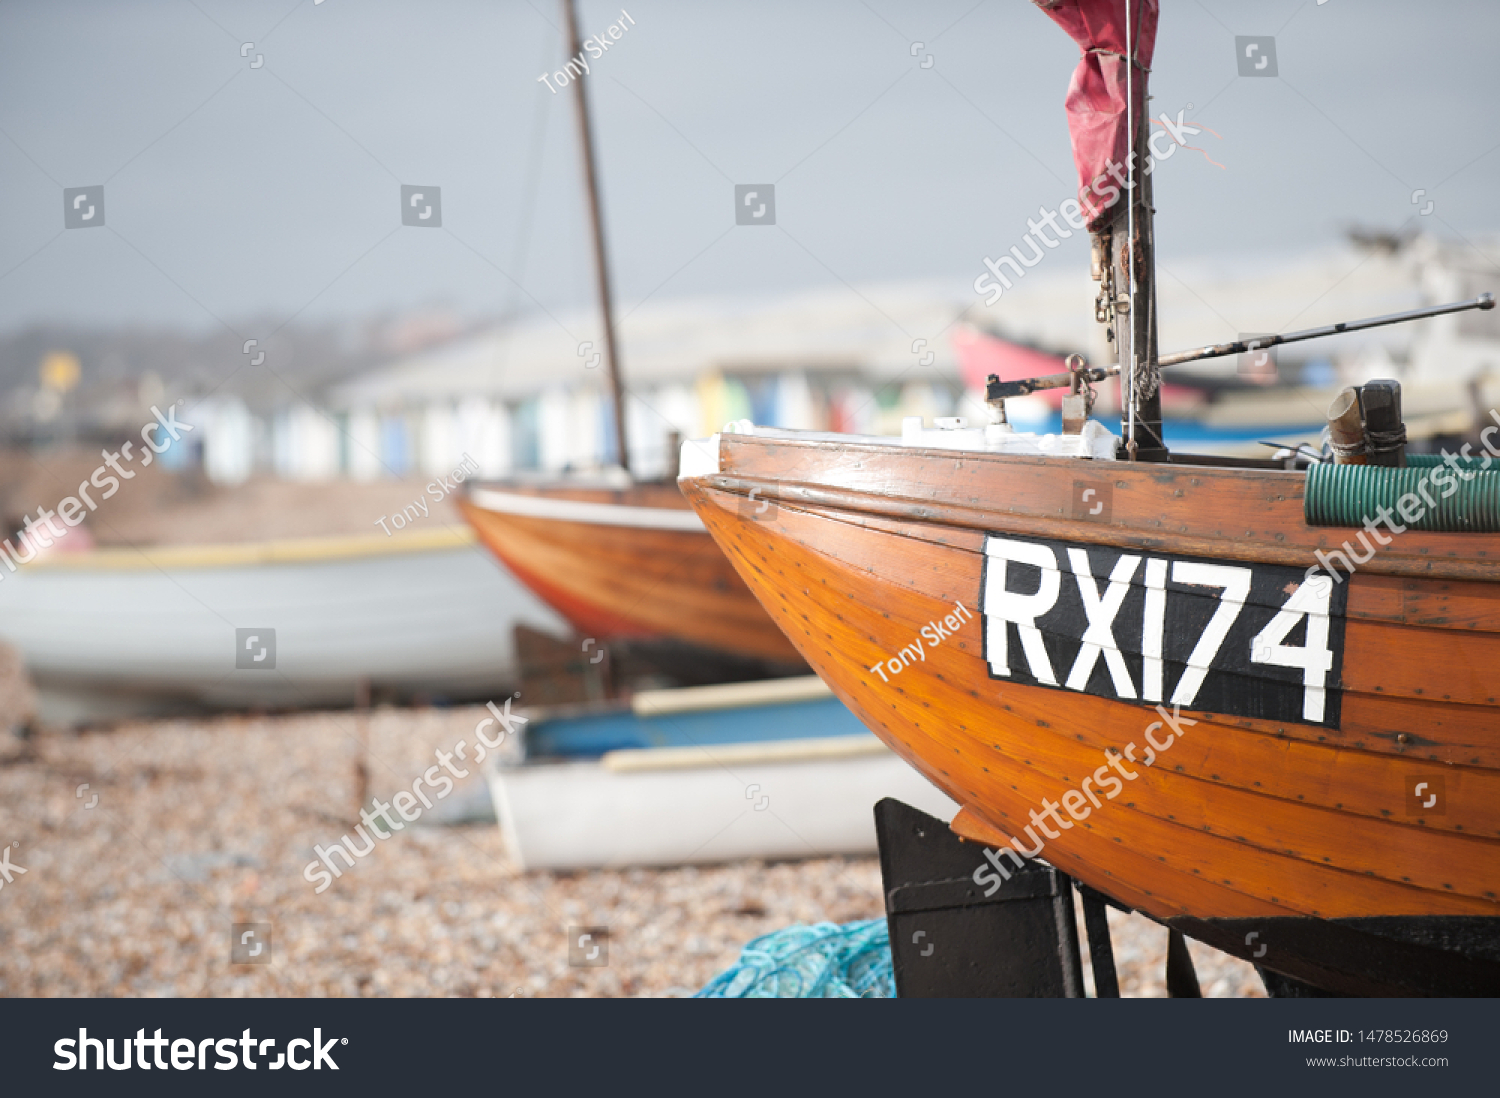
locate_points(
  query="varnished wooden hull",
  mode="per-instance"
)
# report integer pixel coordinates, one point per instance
(1246, 826)
(621, 566)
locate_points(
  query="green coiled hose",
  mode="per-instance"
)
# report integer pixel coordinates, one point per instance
(1348, 495)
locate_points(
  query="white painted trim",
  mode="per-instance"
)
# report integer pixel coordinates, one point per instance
(700, 457)
(255, 553)
(819, 749)
(699, 699)
(577, 815)
(584, 511)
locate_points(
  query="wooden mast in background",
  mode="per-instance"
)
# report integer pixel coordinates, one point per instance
(596, 218)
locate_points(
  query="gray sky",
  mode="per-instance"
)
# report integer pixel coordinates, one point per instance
(235, 192)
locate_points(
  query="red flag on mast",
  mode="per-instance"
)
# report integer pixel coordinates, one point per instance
(1096, 94)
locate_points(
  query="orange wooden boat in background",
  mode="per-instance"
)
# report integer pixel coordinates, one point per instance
(626, 559)
(625, 563)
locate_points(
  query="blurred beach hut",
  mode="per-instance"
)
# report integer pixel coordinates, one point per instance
(536, 399)
(531, 395)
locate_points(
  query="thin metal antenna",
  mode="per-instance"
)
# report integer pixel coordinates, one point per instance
(1001, 390)
(1240, 346)
(1130, 224)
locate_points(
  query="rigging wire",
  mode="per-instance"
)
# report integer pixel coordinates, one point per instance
(510, 314)
(1130, 229)
(528, 202)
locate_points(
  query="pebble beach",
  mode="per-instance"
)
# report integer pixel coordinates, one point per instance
(145, 843)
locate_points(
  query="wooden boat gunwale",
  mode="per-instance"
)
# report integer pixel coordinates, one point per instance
(617, 570)
(587, 512)
(1430, 555)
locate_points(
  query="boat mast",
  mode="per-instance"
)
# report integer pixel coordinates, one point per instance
(1133, 253)
(596, 219)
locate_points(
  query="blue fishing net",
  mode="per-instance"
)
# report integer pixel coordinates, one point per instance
(826, 961)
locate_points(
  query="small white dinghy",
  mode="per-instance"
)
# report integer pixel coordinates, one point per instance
(774, 770)
(116, 632)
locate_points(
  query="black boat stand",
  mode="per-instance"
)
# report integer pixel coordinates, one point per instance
(949, 940)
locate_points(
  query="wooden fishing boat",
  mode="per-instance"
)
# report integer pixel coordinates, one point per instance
(1261, 830)
(627, 560)
(776, 769)
(1150, 668)
(624, 562)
